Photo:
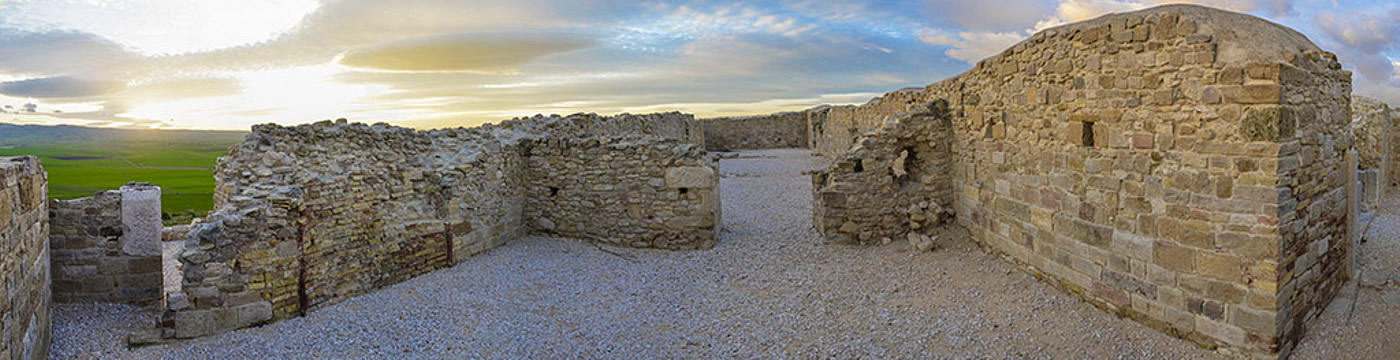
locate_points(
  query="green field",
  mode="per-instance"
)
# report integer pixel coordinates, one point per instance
(94, 160)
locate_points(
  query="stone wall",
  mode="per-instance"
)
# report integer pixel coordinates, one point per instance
(834, 129)
(781, 130)
(628, 191)
(106, 248)
(904, 166)
(315, 214)
(1179, 165)
(1372, 123)
(24, 267)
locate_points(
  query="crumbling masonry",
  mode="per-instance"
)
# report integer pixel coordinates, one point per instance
(311, 215)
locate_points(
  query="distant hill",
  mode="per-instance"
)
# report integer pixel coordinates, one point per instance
(19, 135)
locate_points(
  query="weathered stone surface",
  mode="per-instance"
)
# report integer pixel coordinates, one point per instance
(120, 231)
(697, 177)
(781, 130)
(311, 215)
(141, 219)
(1200, 162)
(24, 267)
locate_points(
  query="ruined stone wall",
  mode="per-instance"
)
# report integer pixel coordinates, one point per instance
(1178, 165)
(106, 248)
(781, 130)
(319, 213)
(669, 125)
(24, 267)
(1312, 216)
(312, 215)
(627, 191)
(834, 129)
(896, 183)
(1371, 122)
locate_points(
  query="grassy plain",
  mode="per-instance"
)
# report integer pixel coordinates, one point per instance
(83, 161)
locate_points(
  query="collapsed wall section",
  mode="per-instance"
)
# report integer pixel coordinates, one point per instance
(627, 191)
(834, 129)
(24, 265)
(1178, 165)
(895, 183)
(311, 215)
(780, 130)
(106, 248)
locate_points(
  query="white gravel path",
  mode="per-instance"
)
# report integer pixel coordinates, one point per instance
(769, 289)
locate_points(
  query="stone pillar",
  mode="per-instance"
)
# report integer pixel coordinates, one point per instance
(141, 219)
(1353, 202)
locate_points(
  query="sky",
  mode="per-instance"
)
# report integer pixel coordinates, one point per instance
(195, 64)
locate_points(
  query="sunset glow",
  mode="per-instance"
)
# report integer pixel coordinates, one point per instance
(231, 64)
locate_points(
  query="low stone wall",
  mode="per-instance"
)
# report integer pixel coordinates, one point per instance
(1372, 123)
(24, 267)
(106, 248)
(895, 183)
(628, 191)
(315, 214)
(781, 130)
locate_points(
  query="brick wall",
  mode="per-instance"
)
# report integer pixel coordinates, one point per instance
(106, 248)
(781, 130)
(24, 268)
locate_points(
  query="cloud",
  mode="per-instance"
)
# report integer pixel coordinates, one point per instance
(987, 15)
(59, 87)
(473, 52)
(1069, 11)
(54, 53)
(972, 47)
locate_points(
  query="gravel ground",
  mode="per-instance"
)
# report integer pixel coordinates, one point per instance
(769, 289)
(1373, 323)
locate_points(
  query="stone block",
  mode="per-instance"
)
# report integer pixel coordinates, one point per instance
(1220, 266)
(1255, 247)
(1091, 234)
(1132, 245)
(1253, 94)
(1175, 257)
(1264, 322)
(699, 177)
(141, 220)
(1268, 123)
(193, 323)
(253, 313)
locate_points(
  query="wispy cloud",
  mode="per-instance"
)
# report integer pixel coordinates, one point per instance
(448, 62)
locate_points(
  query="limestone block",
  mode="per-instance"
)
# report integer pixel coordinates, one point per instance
(1268, 123)
(193, 323)
(141, 220)
(698, 177)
